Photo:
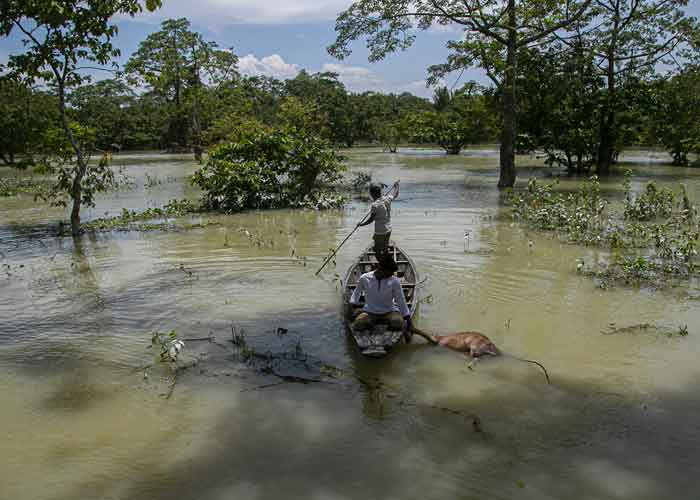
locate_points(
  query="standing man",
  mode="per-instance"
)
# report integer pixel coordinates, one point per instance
(380, 214)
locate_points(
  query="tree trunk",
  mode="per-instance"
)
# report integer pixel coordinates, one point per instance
(76, 194)
(76, 191)
(606, 147)
(507, 152)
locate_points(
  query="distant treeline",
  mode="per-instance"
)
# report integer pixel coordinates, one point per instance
(178, 92)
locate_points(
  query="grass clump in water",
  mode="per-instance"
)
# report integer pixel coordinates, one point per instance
(127, 219)
(12, 186)
(653, 241)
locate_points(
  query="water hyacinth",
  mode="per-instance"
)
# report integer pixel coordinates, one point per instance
(653, 240)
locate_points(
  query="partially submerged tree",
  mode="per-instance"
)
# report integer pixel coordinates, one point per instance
(60, 38)
(561, 105)
(676, 114)
(264, 167)
(176, 64)
(458, 119)
(628, 38)
(107, 107)
(494, 30)
(328, 94)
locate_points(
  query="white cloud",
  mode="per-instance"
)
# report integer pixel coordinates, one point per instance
(356, 78)
(219, 13)
(272, 65)
(418, 88)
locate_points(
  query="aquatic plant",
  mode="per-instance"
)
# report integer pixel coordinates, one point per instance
(151, 181)
(12, 186)
(169, 345)
(174, 208)
(654, 240)
(653, 202)
(361, 181)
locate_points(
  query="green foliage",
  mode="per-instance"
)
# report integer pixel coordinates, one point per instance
(324, 93)
(108, 108)
(27, 117)
(676, 114)
(650, 253)
(176, 65)
(168, 345)
(13, 186)
(579, 215)
(174, 208)
(653, 202)
(465, 117)
(271, 169)
(384, 118)
(58, 38)
(361, 181)
(560, 105)
(59, 164)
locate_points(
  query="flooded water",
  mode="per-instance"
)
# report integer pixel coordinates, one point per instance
(83, 418)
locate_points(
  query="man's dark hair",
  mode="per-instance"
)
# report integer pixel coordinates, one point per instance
(375, 191)
(387, 263)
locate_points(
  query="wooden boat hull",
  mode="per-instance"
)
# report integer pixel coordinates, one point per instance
(380, 340)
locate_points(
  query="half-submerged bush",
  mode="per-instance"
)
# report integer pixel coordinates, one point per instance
(653, 241)
(271, 168)
(653, 202)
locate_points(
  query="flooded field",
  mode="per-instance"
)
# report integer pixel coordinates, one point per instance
(83, 418)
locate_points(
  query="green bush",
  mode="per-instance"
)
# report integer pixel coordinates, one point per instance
(271, 169)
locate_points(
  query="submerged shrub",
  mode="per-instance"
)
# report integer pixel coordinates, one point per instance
(652, 252)
(579, 215)
(652, 203)
(271, 169)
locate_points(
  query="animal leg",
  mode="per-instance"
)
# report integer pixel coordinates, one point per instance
(471, 361)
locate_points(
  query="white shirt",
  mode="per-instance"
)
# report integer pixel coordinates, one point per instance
(381, 209)
(380, 297)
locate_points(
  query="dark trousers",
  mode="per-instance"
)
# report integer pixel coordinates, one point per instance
(381, 243)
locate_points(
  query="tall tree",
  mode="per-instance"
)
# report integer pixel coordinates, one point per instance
(676, 114)
(27, 116)
(328, 93)
(494, 30)
(628, 38)
(105, 106)
(559, 112)
(176, 63)
(60, 38)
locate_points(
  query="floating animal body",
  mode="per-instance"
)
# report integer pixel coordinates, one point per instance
(473, 345)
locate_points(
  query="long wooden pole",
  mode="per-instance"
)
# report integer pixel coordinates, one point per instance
(357, 226)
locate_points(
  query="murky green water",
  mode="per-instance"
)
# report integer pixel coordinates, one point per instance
(79, 419)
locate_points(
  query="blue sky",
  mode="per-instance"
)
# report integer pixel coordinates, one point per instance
(281, 37)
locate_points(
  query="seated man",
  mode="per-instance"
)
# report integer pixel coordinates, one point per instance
(384, 300)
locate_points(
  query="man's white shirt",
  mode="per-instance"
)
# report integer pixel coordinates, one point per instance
(380, 297)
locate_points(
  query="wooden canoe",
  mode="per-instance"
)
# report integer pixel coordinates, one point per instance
(379, 341)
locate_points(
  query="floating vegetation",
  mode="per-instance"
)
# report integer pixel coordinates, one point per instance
(256, 238)
(653, 202)
(361, 181)
(168, 344)
(667, 331)
(428, 299)
(321, 200)
(13, 186)
(151, 181)
(187, 272)
(122, 181)
(654, 241)
(131, 219)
